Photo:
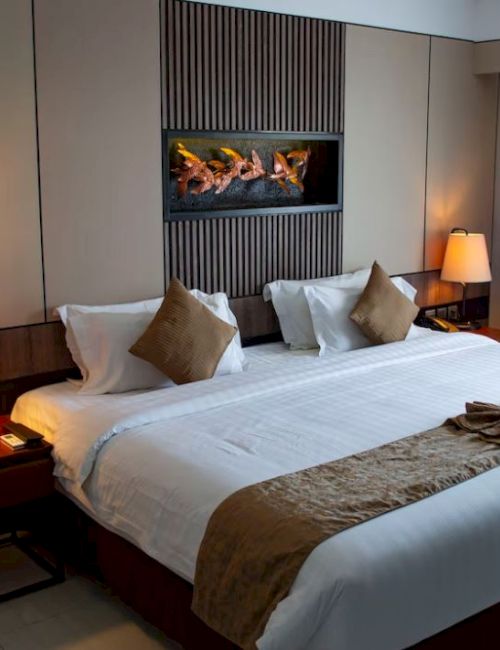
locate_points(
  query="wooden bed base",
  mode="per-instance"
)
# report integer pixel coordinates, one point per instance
(164, 600)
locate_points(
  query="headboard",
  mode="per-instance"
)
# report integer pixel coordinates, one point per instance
(36, 355)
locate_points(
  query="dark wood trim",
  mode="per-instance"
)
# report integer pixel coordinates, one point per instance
(433, 292)
(26, 351)
(11, 389)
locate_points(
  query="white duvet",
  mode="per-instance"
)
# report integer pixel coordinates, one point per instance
(153, 467)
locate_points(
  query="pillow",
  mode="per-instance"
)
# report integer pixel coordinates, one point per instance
(292, 309)
(291, 306)
(330, 309)
(383, 313)
(185, 339)
(66, 311)
(103, 341)
(234, 357)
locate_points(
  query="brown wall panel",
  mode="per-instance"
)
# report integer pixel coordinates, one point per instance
(237, 69)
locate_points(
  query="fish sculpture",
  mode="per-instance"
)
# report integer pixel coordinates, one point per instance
(193, 169)
(293, 171)
(225, 174)
(216, 173)
(253, 168)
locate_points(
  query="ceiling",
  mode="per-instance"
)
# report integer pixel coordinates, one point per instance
(476, 20)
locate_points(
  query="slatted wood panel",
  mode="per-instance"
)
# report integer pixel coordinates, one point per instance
(243, 70)
(239, 255)
(238, 69)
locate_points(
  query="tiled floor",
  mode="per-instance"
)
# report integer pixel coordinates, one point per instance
(75, 615)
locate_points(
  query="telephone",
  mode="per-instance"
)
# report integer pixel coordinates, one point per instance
(435, 323)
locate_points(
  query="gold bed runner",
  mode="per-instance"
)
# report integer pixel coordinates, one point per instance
(257, 540)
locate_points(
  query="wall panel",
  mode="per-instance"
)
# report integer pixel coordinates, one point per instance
(235, 69)
(385, 148)
(239, 255)
(98, 69)
(495, 244)
(462, 126)
(21, 284)
(487, 57)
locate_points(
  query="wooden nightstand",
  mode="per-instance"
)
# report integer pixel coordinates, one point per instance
(26, 481)
(489, 331)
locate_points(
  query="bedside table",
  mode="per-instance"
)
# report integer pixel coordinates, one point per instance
(489, 331)
(26, 480)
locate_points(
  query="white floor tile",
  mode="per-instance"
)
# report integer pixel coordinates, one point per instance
(76, 615)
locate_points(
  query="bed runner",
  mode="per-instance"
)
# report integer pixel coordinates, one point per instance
(258, 538)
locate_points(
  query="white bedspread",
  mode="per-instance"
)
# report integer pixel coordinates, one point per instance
(155, 465)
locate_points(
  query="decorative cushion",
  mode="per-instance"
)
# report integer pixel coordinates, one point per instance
(185, 340)
(383, 313)
(291, 306)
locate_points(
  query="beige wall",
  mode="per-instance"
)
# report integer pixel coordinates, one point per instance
(400, 204)
(100, 149)
(462, 126)
(385, 144)
(495, 246)
(100, 124)
(21, 290)
(487, 57)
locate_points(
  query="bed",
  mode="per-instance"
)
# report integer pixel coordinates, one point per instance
(151, 467)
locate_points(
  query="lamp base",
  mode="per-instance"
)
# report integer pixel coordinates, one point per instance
(466, 325)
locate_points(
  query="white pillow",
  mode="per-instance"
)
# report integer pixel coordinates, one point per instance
(64, 311)
(330, 309)
(233, 359)
(293, 312)
(103, 340)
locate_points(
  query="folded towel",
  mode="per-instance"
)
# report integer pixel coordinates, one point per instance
(481, 418)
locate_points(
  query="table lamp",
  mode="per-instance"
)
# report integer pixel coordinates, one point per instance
(465, 261)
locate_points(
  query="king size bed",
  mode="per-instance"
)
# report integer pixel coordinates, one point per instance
(150, 467)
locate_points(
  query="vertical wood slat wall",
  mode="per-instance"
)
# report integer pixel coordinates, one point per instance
(243, 70)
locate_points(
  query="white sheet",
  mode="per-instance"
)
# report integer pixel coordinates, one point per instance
(172, 455)
(44, 408)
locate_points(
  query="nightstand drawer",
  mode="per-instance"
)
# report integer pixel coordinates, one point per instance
(26, 482)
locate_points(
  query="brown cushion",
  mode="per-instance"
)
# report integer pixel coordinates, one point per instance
(383, 313)
(185, 340)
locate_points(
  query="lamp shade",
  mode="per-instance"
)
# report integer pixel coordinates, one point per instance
(466, 258)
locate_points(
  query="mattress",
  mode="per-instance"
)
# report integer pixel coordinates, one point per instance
(153, 467)
(44, 408)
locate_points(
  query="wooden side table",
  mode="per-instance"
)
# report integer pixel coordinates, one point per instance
(492, 332)
(26, 478)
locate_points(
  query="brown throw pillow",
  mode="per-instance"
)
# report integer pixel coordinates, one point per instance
(383, 313)
(185, 340)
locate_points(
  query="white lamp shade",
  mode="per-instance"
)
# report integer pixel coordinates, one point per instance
(466, 258)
